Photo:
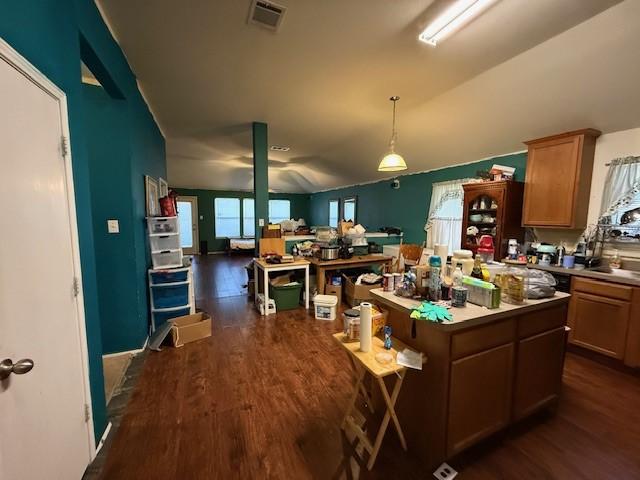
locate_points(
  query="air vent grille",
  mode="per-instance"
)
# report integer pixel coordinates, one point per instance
(266, 14)
(279, 148)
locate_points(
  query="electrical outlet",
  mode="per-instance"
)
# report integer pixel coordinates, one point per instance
(261, 222)
(113, 226)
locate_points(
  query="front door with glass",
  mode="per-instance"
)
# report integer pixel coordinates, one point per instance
(188, 219)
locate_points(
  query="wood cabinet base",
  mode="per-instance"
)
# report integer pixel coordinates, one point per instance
(478, 380)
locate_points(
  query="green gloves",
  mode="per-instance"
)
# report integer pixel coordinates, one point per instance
(431, 312)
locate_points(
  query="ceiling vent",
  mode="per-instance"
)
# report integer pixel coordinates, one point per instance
(266, 14)
(279, 148)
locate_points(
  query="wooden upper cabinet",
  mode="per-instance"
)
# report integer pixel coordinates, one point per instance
(558, 180)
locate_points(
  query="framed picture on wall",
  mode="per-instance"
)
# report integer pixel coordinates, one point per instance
(163, 187)
(151, 195)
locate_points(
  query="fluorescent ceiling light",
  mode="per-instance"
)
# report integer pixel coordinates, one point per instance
(452, 19)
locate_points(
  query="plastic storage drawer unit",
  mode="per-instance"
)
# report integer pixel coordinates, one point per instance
(167, 259)
(170, 296)
(160, 243)
(162, 225)
(169, 276)
(161, 317)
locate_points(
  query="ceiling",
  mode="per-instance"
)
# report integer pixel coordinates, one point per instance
(521, 69)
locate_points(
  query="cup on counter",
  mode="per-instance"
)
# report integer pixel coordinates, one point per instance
(569, 261)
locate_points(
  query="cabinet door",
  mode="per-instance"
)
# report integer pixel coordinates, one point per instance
(551, 182)
(539, 362)
(599, 323)
(479, 396)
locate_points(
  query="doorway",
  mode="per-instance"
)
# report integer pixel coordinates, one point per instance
(42, 306)
(188, 220)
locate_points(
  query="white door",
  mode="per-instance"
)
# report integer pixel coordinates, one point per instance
(44, 429)
(188, 218)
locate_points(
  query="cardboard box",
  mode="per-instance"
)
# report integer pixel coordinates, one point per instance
(378, 319)
(334, 290)
(354, 294)
(190, 328)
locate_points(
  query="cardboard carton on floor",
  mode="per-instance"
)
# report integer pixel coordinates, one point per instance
(190, 328)
(354, 294)
(334, 290)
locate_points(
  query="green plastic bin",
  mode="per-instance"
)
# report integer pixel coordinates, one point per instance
(287, 297)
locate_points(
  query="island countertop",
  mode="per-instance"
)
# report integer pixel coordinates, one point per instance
(470, 315)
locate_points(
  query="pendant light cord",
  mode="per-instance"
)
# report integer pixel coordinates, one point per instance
(392, 142)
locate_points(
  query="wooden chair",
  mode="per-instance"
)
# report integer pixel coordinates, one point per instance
(411, 253)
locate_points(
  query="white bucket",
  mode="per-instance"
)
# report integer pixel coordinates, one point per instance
(325, 307)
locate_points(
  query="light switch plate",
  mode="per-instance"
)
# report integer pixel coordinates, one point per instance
(445, 472)
(261, 222)
(113, 226)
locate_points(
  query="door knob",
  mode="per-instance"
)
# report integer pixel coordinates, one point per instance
(7, 367)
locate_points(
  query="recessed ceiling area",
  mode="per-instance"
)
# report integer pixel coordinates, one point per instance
(520, 70)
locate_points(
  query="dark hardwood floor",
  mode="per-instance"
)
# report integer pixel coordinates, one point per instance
(264, 397)
(219, 276)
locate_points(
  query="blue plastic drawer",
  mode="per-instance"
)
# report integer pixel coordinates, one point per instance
(169, 276)
(161, 317)
(169, 297)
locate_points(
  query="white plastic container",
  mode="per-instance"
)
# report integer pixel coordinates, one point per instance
(325, 307)
(260, 305)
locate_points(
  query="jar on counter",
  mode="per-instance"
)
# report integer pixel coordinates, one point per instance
(513, 281)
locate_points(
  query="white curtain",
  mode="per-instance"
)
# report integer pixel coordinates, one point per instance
(444, 224)
(621, 186)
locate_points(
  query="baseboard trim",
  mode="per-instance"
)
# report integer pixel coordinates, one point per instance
(128, 352)
(104, 437)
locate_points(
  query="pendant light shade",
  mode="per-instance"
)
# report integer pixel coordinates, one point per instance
(392, 161)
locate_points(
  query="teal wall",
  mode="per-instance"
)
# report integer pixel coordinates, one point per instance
(47, 33)
(109, 153)
(300, 203)
(380, 206)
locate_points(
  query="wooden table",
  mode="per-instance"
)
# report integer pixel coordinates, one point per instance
(298, 264)
(366, 363)
(324, 266)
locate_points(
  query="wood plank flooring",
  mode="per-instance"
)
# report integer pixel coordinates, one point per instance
(264, 397)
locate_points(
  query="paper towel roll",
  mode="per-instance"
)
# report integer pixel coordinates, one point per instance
(442, 251)
(365, 327)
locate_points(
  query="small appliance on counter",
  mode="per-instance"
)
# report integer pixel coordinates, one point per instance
(329, 252)
(546, 255)
(345, 251)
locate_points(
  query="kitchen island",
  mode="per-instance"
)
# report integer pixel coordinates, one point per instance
(486, 369)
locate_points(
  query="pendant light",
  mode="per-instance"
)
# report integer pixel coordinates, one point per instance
(392, 162)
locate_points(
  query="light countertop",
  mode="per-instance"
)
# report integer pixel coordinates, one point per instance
(470, 315)
(302, 238)
(627, 277)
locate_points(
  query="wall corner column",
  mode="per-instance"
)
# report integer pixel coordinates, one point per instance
(260, 178)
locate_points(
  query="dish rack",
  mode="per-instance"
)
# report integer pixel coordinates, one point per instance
(617, 234)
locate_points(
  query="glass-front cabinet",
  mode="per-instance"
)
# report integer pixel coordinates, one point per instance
(494, 209)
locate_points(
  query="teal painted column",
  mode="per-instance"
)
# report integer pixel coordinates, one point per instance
(260, 177)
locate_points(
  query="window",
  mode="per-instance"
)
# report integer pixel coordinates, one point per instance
(334, 213)
(349, 209)
(227, 217)
(248, 217)
(444, 225)
(279, 210)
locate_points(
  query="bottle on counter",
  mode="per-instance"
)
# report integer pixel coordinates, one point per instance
(435, 265)
(477, 268)
(562, 251)
(457, 276)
